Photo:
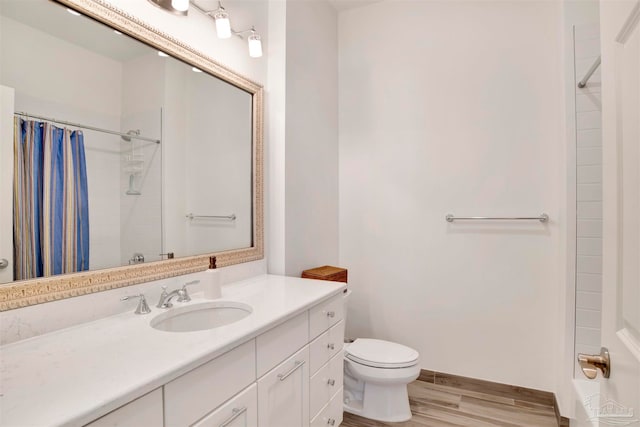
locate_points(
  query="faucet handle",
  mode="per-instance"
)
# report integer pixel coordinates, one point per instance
(163, 295)
(143, 307)
(184, 295)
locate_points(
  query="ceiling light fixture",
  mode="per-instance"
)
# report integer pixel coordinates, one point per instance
(255, 44)
(177, 7)
(223, 25)
(180, 5)
(224, 29)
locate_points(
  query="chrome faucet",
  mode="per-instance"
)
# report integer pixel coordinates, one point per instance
(166, 297)
(182, 294)
(142, 308)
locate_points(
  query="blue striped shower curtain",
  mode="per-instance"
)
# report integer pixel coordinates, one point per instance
(50, 201)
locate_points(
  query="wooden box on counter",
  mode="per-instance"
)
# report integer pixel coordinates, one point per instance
(327, 272)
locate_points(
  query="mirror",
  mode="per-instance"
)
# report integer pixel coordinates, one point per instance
(163, 154)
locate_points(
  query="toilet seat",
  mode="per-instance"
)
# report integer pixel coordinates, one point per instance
(381, 354)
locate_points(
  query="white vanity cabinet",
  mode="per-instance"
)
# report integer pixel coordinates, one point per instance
(241, 411)
(326, 330)
(195, 394)
(283, 393)
(289, 376)
(279, 367)
(144, 411)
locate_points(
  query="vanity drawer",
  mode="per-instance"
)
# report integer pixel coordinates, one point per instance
(281, 342)
(326, 346)
(325, 314)
(144, 411)
(331, 414)
(325, 384)
(196, 393)
(241, 411)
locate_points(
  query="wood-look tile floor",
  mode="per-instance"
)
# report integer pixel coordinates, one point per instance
(437, 405)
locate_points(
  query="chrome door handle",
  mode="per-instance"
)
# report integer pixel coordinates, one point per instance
(331, 314)
(3, 263)
(590, 363)
(284, 376)
(235, 414)
(331, 382)
(331, 422)
(331, 346)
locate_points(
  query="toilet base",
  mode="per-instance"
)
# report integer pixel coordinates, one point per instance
(388, 403)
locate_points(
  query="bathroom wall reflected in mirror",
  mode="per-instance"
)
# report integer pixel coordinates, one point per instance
(108, 200)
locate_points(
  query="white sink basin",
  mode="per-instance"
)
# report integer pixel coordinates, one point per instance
(201, 316)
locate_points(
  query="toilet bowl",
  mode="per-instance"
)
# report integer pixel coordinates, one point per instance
(376, 374)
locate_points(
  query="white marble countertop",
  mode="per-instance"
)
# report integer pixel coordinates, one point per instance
(75, 375)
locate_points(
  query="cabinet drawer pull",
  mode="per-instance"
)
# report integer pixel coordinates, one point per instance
(331, 346)
(235, 414)
(331, 314)
(331, 422)
(331, 382)
(284, 376)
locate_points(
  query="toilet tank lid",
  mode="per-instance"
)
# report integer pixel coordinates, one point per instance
(381, 352)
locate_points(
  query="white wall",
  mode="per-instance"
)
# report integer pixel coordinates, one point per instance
(311, 237)
(275, 130)
(455, 107)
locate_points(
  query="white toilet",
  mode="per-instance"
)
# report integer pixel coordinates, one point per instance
(376, 374)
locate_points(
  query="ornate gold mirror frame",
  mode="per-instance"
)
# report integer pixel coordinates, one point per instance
(41, 290)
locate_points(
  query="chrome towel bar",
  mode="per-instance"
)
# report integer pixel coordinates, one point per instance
(231, 217)
(542, 218)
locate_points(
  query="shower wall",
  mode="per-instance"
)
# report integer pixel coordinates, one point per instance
(141, 223)
(588, 104)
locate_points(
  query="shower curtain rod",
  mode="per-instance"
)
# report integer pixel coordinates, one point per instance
(78, 125)
(582, 83)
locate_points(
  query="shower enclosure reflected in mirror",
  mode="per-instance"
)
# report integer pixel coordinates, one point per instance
(122, 153)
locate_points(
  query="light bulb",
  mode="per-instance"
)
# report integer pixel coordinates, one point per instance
(180, 5)
(255, 46)
(223, 26)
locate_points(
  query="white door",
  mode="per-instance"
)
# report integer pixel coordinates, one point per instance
(6, 183)
(620, 394)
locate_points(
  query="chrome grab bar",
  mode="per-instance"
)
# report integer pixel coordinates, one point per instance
(231, 217)
(542, 218)
(284, 376)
